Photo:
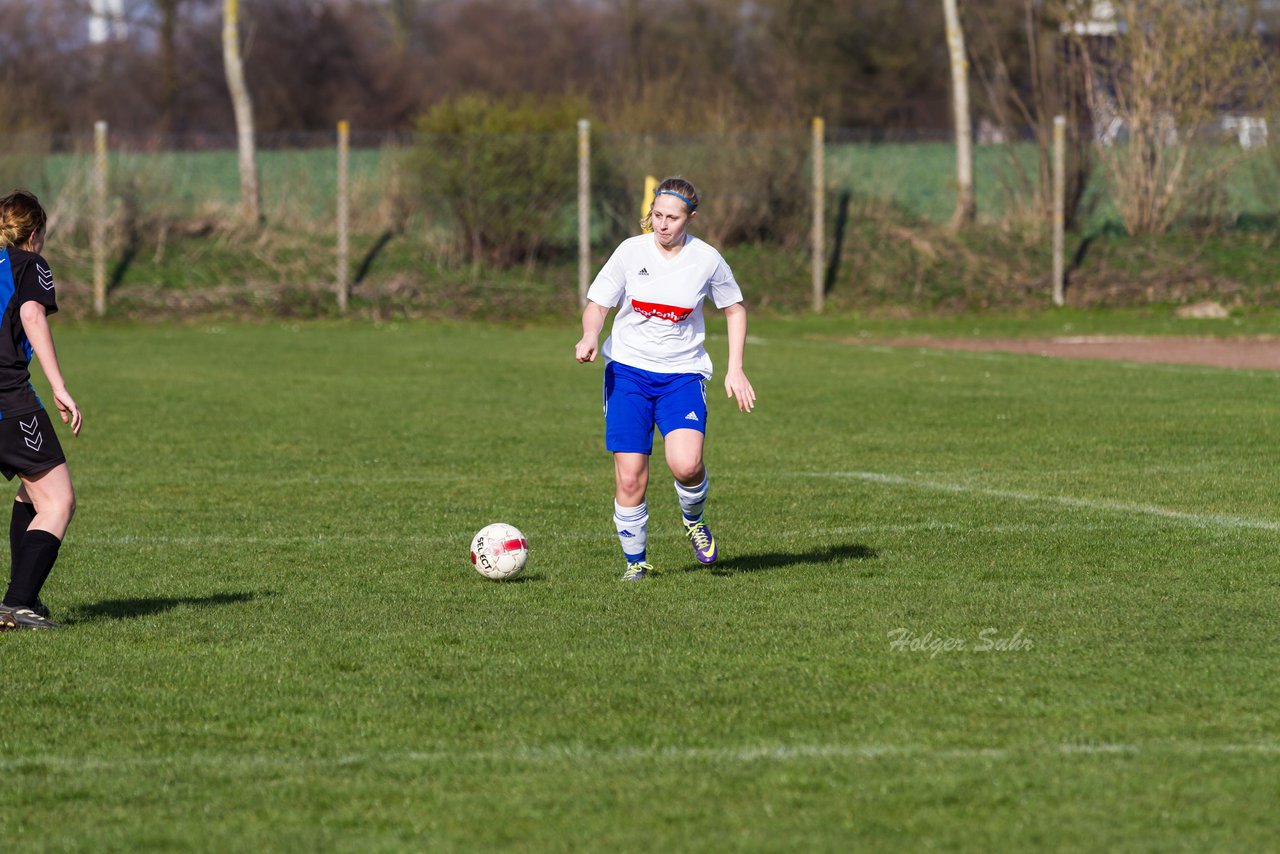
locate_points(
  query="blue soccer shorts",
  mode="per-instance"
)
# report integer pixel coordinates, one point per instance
(635, 401)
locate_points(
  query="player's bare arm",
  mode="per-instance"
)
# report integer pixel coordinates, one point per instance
(592, 322)
(736, 384)
(36, 324)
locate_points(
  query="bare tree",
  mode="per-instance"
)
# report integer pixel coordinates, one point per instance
(1028, 76)
(1163, 82)
(250, 194)
(965, 206)
(874, 64)
(399, 16)
(168, 30)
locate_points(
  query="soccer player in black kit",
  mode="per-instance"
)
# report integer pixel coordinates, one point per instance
(29, 448)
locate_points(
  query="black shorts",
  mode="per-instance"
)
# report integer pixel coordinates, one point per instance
(28, 444)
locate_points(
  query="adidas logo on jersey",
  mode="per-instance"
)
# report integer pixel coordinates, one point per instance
(644, 271)
(692, 416)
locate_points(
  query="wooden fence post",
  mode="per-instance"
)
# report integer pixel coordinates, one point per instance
(1059, 207)
(646, 202)
(98, 236)
(584, 209)
(344, 267)
(819, 210)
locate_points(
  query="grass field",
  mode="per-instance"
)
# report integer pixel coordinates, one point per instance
(965, 601)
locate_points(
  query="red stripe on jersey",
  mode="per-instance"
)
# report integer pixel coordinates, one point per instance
(674, 313)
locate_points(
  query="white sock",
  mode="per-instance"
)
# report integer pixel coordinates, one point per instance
(632, 524)
(693, 498)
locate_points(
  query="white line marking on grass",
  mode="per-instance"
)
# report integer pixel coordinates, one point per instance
(251, 540)
(581, 754)
(1204, 520)
(201, 540)
(947, 527)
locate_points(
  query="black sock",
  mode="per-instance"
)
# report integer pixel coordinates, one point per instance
(35, 560)
(24, 512)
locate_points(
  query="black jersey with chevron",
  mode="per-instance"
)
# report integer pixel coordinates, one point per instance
(24, 277)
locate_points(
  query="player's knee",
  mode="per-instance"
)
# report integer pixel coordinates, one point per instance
(59, 509)
(631, 484)
(689, 472)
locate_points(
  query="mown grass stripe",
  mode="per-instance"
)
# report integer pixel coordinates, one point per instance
(581, 754)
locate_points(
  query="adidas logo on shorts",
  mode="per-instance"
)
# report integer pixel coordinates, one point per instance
(692, 416)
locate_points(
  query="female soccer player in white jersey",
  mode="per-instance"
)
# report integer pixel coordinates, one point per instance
(656, 367)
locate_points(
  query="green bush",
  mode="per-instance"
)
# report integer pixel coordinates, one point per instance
(755, 186)
(503, 170)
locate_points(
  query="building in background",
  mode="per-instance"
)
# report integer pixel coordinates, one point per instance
(107, 21)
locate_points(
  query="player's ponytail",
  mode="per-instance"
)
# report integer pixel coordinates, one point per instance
(678, 187)
(21, 218)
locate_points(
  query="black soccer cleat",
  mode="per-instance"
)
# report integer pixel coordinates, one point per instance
(16, 617)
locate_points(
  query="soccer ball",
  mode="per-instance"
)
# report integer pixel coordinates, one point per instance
(499, 551)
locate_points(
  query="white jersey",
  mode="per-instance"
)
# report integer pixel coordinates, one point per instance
(659, 325)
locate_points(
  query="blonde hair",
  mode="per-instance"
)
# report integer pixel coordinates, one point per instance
(21, 218)
(674, 186)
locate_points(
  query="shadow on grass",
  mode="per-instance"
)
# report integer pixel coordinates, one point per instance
(124, 609)
(522, 578)
(778, 560)
(372, 255)
(116, 279)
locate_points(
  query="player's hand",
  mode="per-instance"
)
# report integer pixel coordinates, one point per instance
(737, 385)
(585, 350)
(68, 410)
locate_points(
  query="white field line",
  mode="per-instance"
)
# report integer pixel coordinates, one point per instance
(1204, 520)
(582, 755)
(253, 540)
(200, 540)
